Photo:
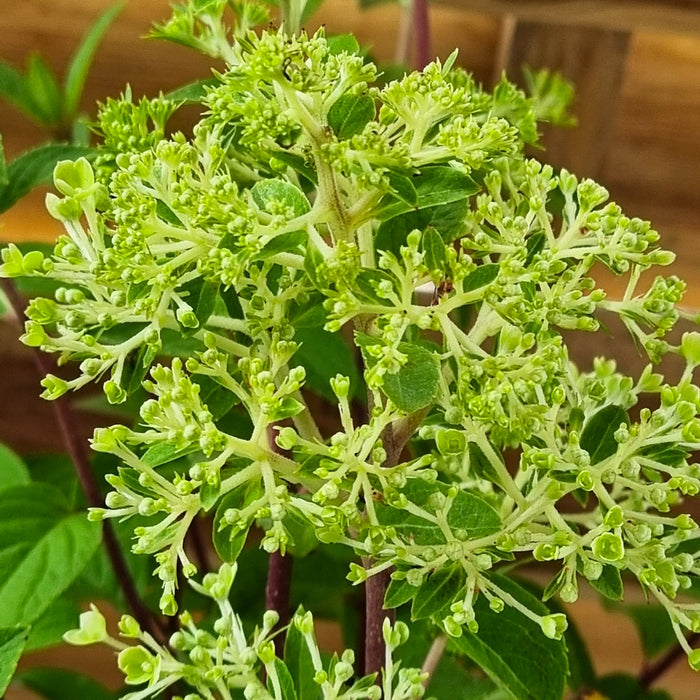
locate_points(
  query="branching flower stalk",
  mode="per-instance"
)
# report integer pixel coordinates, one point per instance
(309, 197)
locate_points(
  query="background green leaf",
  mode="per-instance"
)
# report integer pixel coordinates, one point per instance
(43, 547)
(323, 355)
(35, 168)
(598, 436)
(512, 649)
(12, 641)
(44, 91)
(298, 659)
(81, 61)
(61, 684)
(13, 471)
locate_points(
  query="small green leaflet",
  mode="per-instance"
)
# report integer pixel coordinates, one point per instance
(268, 194)
(298, 659)
(285, 681)
(483, 275)
(349, 114)
(435, 251)
(227, 541)
(512, 650)
(417, 383)
(35, 168)
(339, 43)
(598, 436)
(192, 93)
(400, 591)
(12, 642)
(609, 584)
(44, 547)
(437, 593)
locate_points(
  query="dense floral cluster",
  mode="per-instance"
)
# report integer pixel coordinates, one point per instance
(307, 196)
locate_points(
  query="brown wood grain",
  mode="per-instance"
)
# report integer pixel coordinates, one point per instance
(678, 16)
(595, 61)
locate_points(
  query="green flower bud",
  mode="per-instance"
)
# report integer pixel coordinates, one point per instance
(585, 480)
(690, 348)
(54, 387)
(114, 393)
(608, 547)
(93, 629)
(554, 626)
(129, 627)
(451, 442)
(694, 659)
(137, 664)
(614, 517)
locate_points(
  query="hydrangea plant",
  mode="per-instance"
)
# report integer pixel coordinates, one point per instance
(317, 220)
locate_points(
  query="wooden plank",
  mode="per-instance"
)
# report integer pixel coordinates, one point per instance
(594, 60)
(682, 16)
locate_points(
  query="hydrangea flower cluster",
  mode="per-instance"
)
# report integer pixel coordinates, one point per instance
(310, 196)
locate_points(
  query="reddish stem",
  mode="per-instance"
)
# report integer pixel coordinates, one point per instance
(279, 579)
(375, 649)
(654, 671)
(75, 446)
(421, 27)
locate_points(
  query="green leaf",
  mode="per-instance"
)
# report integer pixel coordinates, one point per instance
(468, 512)
(82, 59)
(57, 619)
(435, 250)
(14, 89)
(302, 534)
(164, 452)
(483, 275)
(402, 187)
(339, 43)
(34, 168)
(285, 681)
(298, 659)
(13, 471)
(598, 436)
(620, 686)
(435, 185)
(417, 383)
(192, 93)
(44, 91)
(323, 355)
(349, 114)
(367, 283)
(3, 164)
(513, 651)
(289, 242)
(399, 591)
(437, 593)
(61, 684)
(43, 546)
(609, 584)
(268, 194)
(228, 541)
(654, 627)
(12, 642)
